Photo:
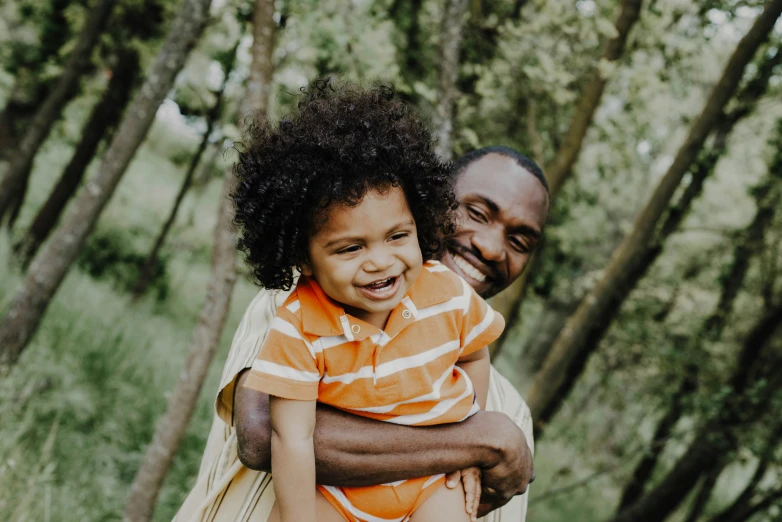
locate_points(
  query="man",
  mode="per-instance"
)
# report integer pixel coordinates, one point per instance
(504, 203)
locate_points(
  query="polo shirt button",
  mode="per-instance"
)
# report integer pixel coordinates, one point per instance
(406, 314)
(355, 328)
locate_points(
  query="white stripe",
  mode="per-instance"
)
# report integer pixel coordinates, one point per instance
(347, 378)
(395, 366)
(481, 327)
(330, 341)
(466, 295)
(294, 306)
(455, 303)
(439, 409)
(286, 372)
(434, 395)
(286, 328)
(475, 409)
(438, 268)
(410, 306)
(346, 327)
(344, 502)
(414, 361)
(431, 480)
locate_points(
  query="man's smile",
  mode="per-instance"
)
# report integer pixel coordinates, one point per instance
(467, 268)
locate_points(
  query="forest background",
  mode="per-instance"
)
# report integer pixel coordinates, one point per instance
(645, 336)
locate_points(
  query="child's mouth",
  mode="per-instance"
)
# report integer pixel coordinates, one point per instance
(381, 290)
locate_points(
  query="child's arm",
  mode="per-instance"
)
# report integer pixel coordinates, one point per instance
(293, 458)
(477, 366)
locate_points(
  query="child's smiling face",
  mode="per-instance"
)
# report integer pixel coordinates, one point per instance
(367, 256)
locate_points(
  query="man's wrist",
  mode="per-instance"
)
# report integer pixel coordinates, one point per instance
(491, 443)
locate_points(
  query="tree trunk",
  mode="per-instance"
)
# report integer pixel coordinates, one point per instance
(451, 30)
(14, 183)
(212, 118)
(554, 318)
(557, 172)
(715, 439)
(704, 491)
(172, 425)
(50, 266)
(100, 125)
(742, 507)
(643, 471)
(585, 328)
(54, 34)
(567, 155)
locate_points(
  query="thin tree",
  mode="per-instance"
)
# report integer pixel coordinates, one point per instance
(508, 303)
(451, 28)
(99, 127)
(14, 183)
(50, 266)
(212, 118)
(717, 436)
(29, 91)
(557, 312)
(171, 427)
(586, 326)
(768, 196)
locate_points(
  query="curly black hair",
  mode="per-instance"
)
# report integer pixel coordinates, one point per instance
(342, 141)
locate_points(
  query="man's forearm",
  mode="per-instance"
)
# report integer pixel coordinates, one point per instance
(356, 451)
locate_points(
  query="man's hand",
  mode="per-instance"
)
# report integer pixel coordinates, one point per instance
(512, 473)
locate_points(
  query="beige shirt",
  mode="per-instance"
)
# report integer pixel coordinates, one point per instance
(226, 491)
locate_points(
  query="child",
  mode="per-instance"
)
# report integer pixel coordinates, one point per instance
(349, 191)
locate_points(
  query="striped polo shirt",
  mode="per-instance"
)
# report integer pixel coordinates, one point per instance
(403, 374)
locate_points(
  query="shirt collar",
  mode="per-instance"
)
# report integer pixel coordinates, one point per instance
(322, 316)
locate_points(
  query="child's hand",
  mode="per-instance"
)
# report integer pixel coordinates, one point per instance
(471, 480)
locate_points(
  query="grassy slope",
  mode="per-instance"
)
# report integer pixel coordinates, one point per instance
(96, 376)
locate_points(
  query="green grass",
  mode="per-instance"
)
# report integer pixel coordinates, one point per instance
(81, 405)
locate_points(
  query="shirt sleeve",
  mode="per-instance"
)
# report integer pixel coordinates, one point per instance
(246, 344)
(481, 325)
(287, 365)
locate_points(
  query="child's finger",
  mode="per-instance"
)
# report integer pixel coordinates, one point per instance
(452, 479)
(469, 494)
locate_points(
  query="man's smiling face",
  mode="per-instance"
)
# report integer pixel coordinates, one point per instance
(503, 209)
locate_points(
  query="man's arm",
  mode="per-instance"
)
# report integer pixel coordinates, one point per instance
(355, 451)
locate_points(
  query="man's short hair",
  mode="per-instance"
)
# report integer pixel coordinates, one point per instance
(461, 164)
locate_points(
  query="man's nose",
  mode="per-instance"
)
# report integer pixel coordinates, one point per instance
(490, 243)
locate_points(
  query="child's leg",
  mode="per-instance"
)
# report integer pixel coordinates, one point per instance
(445, 505)
(325, 511)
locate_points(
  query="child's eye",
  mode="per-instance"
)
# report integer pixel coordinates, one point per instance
(399, 236)
(349, 250)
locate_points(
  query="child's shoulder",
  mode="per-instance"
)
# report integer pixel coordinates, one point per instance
(454, 285)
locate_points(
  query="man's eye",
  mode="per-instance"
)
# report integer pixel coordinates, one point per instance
(519, 245)
(476, 214)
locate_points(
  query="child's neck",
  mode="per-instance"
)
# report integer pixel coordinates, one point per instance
(378, 319)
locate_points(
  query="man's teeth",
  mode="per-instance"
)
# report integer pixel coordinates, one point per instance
(468, 269)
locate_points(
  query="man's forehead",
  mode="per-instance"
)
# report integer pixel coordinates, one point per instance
(507, 184)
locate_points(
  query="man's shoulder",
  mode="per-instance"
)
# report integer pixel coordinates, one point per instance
(246, 343)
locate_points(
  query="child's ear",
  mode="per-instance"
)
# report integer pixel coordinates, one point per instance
(305, 269)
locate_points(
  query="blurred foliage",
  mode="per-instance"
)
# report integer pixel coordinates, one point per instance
(81, 406)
